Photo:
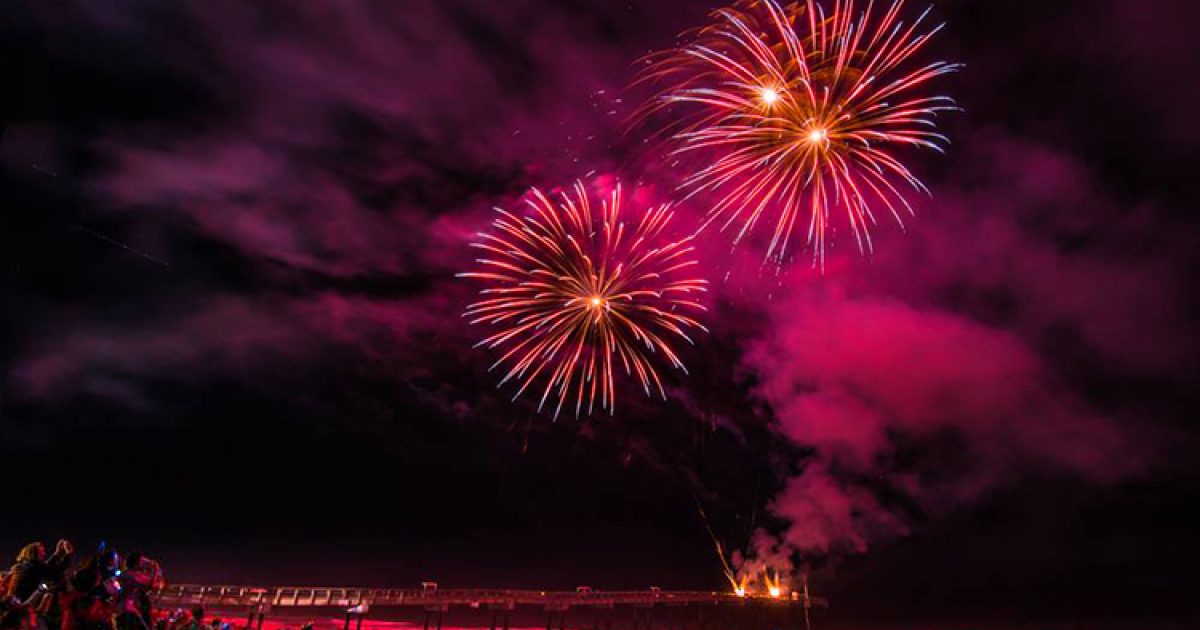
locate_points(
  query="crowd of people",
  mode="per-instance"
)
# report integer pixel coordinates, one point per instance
(104, 591)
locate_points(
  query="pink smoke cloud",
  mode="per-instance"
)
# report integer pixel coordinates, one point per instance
(857, 380)
(931, 373)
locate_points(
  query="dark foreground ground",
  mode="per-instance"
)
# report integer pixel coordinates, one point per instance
(584, 620)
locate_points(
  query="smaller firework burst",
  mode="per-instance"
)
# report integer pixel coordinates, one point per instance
(574, 294)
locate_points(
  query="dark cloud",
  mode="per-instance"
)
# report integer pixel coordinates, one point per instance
(312, 176)
(222, 336)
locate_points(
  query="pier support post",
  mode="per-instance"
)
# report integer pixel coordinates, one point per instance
(807, 603)
(258, 612)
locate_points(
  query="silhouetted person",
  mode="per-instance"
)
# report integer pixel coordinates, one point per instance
(91, 601)
(33, 568)
(197, 622)
(140, 578)
(36, 580)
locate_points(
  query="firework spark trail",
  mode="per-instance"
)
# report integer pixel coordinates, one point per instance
(738, 585)
(797, 110)
(575, 292)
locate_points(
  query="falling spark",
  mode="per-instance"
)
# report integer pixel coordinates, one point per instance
(575, 294)
(797, 111)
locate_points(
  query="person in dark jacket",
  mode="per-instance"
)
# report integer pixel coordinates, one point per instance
(33, 569)
(37, 580)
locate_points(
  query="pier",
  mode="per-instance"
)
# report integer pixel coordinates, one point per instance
(498, 609)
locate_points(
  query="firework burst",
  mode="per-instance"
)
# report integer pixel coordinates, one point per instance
(799, 110)
(575, 293)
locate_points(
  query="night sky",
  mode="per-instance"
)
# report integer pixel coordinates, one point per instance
(231, 338)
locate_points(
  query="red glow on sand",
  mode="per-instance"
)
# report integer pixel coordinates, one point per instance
(332, 623)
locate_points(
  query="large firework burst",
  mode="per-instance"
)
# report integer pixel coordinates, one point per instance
(574, 293)
(797, 111)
